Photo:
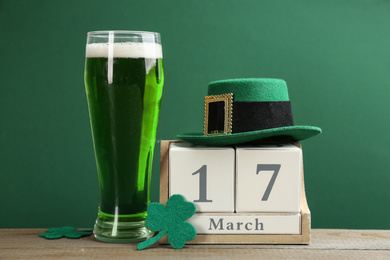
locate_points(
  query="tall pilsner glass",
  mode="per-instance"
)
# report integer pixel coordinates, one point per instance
(123, 81)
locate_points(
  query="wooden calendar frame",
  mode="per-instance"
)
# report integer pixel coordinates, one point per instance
(305, 225)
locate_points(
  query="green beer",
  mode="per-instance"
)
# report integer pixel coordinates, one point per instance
(123, 83)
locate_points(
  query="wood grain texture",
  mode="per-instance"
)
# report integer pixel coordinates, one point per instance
(325, 244)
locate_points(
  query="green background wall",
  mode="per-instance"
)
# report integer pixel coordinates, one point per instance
(334, 55)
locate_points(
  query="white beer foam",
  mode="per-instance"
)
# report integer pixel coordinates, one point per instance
(125, 50)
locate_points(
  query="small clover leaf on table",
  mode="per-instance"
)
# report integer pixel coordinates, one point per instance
(169, 220)
(69, 232)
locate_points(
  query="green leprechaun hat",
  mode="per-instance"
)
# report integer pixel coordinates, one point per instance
(248, 110)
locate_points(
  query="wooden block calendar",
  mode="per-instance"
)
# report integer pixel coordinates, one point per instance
(243, 194)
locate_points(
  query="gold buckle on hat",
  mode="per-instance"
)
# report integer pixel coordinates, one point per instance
(228, 113)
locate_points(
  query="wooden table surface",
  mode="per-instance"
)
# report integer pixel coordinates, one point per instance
(325, 244)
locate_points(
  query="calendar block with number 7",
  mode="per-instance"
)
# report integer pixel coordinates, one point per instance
(268, 178)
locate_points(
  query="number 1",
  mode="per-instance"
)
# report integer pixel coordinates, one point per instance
(202, 184)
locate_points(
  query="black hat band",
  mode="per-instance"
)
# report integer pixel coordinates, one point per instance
(246, 116)
(253, 116)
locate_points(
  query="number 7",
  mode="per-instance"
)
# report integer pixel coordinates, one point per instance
(269, 167)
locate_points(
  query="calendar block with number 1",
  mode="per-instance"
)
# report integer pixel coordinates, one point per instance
(203, 175)
(243, 194)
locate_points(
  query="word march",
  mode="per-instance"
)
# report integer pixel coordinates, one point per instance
(256, 225)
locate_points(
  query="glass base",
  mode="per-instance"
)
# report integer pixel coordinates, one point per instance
(120, 230)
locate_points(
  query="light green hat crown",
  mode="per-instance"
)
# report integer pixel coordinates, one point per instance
(251, 89)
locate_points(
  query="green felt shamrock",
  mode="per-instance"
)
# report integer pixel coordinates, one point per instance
(170, 219)
(69, 232)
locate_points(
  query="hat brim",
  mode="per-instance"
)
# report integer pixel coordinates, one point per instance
(287, 133)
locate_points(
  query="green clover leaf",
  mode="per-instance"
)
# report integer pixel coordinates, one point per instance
(69, 232)
(170, 219)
